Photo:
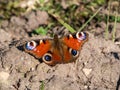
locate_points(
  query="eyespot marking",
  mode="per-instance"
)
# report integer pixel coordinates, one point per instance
(47, 57)
(30, 45)
(73, 52)
(81, 35)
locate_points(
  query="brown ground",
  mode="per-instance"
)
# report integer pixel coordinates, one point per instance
(97, 68)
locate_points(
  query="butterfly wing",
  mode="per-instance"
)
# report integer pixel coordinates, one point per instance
(45, 49)
(72, 45)
(76, 40)
(38, 47)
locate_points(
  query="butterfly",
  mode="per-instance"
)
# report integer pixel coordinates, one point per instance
(57, 50)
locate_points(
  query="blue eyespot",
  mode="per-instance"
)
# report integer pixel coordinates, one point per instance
(73, 52)
(47, 57)
(30, 45)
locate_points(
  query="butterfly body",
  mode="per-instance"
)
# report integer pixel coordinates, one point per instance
(57, 50)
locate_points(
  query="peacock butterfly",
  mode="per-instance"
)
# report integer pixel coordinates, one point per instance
(57, 50)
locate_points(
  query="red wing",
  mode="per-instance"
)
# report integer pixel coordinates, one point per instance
(75, 41)
(42, 47)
